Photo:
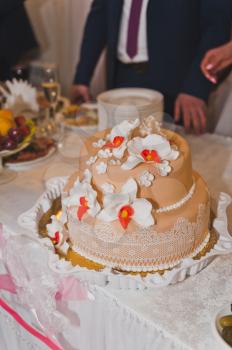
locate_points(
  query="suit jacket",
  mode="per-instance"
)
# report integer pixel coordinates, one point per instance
(179, 33)
(16, 34)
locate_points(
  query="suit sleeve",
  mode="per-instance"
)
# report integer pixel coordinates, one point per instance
(216, 21)
(93, 42)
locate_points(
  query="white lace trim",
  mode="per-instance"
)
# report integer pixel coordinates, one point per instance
(179, 203)
(141, 268)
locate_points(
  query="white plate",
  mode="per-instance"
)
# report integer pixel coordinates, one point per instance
(29, 163)
(7, 153)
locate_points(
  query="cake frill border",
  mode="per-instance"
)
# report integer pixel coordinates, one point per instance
(108, 277)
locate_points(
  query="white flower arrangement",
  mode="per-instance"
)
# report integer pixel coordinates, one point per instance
(99, 144)
(124, 207)
(119, 136)
(150, 149)
(107, 188)
(164, 168)
(58, 234)
(114, 162)
(105, 153)
(146, 179)
(84, 197)
(101, 168)
(91, 160)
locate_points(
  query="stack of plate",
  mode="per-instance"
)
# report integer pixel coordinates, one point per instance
(128, 103)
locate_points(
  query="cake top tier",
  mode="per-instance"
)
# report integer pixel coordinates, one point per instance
(152, 163)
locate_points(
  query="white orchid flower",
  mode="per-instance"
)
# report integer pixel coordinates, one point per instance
(56, 231)
(124, 207)
(150, 149)
(119, 136)
(84, 197)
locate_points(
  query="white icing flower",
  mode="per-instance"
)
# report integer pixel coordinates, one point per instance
(84, 197)
(105, 153)
(114, 162)
(146, 179)
(56, 232)
(91, 160)
(99, 144)
(101, 168)
(107, 188)
(150, 149)
(163, 168)
(149, 125)
(119, 137)
(124, 207)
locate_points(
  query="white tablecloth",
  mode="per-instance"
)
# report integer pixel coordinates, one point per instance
(175, 317)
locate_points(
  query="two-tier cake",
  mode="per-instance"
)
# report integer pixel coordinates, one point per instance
(135, 203)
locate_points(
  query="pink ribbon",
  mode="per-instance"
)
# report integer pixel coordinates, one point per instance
(27, 327)
(70, 288)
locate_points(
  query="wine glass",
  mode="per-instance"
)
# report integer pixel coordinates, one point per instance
(51, 90)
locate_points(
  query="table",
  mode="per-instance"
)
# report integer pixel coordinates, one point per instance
(174, 317)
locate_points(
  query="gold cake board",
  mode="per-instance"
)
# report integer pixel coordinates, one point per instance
(78, 260)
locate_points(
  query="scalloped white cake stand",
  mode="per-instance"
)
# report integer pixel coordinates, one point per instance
(116, 279)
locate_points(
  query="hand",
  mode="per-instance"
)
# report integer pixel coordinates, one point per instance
(216, 60)
(193, 111)
(80, 93)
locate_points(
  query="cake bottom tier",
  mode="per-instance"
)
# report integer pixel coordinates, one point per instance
(177, 234)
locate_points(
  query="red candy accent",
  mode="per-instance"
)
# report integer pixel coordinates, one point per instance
(125, 214)
(117, 141)
(150, 156)
(82, 208)
(55, 240)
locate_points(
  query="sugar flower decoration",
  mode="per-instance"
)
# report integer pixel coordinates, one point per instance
(114, 162)
(119, 136)
(99, 144)
(101, 168)
(91, 160)
(107, 188)
(105, 153)
(58, 234)
(146, 179)
(124, 207)
(163, 168)
(84, 197)
(150, 149)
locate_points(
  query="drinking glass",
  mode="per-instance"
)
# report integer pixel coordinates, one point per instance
(51, 90)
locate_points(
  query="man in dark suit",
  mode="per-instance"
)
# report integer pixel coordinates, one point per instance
(156, 44)
(16, 35)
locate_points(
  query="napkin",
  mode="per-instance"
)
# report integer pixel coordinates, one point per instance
(20, 97)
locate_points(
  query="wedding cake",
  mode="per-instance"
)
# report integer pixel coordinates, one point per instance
(134, 204)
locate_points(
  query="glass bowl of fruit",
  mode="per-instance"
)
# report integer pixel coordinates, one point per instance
(16, 133)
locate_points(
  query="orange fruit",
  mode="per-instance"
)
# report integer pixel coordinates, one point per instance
(5, 125)
(6, 114)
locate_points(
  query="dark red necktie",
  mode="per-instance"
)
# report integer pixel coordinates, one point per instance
(133, 28)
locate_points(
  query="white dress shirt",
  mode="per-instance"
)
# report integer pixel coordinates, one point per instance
(142, 55)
